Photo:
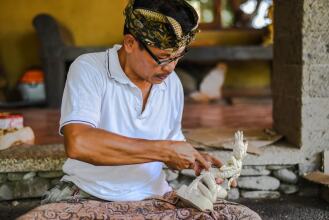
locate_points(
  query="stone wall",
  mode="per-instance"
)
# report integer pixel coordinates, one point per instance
(27, 185)
(27, 172)
(300, 82)
(256, 182)
(315, 81)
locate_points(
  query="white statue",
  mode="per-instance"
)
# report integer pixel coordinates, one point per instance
(203, 192)
(211, 86)
(232, 169)
(14, 136)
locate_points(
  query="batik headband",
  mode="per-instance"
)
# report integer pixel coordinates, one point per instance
(158, 30)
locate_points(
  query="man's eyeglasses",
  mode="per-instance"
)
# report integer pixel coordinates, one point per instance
(164, 61)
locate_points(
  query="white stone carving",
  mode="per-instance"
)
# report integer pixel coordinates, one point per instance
(13, 136)
(204, 191)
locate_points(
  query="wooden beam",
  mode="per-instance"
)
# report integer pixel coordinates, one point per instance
(221, 53)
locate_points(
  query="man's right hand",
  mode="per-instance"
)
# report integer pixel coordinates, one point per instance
(184, 156)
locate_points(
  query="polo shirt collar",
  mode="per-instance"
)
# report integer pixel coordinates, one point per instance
(116, 72)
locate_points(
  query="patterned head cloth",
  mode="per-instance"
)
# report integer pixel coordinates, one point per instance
(158, 30)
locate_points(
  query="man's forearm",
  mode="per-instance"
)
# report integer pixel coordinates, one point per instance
(100, 147)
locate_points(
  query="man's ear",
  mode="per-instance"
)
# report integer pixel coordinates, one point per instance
(129, 43)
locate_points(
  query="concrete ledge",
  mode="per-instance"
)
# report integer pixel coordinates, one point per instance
(280, 153)
(32, 158)
(52, 157)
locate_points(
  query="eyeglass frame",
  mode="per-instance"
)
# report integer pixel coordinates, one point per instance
(156, 59)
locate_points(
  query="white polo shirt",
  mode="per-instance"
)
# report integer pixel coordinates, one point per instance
(98, 93)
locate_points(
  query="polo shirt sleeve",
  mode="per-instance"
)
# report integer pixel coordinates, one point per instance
(82, 95)
(176, 134)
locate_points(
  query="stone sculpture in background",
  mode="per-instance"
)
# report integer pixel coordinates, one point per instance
(211, 85)
(203, 192)
(15, 136)
(13, 132)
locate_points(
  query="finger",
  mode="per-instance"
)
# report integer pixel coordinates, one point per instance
(216, 162)
(234, 183)
(219, 181)
(212, 159)
(197, 168)
(191, 162)
(202, 161)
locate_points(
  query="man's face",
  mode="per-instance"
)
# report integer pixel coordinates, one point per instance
(153, 64)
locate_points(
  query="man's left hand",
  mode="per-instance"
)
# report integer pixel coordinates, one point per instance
(213, 162)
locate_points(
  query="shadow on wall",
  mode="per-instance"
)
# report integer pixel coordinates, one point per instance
(17, 59)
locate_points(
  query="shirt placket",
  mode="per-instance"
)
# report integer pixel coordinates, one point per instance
(139, 103)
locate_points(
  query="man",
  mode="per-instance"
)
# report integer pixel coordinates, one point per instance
(121, 116)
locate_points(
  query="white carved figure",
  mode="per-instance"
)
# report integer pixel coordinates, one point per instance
(232, 169)
(14, 136)
(203, 192)
(211, 86)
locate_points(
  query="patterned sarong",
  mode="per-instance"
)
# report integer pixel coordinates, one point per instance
(79, 206)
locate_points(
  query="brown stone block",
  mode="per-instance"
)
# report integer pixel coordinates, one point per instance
(288, 49)
(286, 80)
(287, 118)
(291, 11)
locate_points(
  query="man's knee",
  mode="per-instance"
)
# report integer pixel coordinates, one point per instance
(253, 215)
(230, 209)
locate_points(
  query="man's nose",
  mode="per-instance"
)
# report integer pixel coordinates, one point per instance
(168, 68)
